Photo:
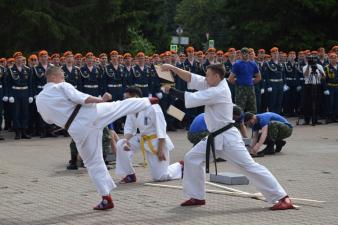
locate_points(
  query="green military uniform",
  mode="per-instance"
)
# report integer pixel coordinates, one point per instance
(278, 131)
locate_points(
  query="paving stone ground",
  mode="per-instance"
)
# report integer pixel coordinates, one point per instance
(36, 188)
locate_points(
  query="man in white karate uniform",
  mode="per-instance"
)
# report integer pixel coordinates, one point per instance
(214, 93)
(153, 142)
(84, 117)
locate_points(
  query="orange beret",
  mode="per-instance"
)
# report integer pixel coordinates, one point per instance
(2, 60)
(33, 56)
(219, 52)
(62, 58)
(167, 53)
(161, 55)
(89, 54)
(251, 50)
(17, 54)
(173, 52)
(190, 49)
(42, 52)
(55, 55)
(199, 53)
(140, 54)
(267, 56)
(231, 50)
(102, 55)
(307, 51)
(261, 50)
(211, 50)
(226, 54)
(238, 51)
(78, 56)
(9, 60)
(127, 55)
(68, 53)
(332, 55)
(113, 53)
(334, 48)
(274, 49)
(155, 55)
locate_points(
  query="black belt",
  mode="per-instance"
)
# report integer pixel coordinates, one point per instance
(72, 117)
(211, 146)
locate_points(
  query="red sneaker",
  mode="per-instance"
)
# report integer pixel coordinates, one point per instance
(193, 201)
(106, 203)
(283, 204)
(131, 178)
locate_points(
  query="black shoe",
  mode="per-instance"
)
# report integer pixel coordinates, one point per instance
(1, 138)
(171, 128)
(220, 160)
(279, 145)
(24, 135)
(306, 123)
(259, 154)
(72, 167)
(269, 149)
(17, 135)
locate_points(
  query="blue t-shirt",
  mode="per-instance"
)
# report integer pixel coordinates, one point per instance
(198, 124)
(244, 71)
(264, 119)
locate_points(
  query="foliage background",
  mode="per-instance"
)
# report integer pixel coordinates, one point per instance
(147, 25)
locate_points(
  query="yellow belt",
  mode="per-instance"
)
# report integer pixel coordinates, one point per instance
(332, 85)
(148, 139)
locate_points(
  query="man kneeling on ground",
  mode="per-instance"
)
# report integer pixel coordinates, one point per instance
(274, 129)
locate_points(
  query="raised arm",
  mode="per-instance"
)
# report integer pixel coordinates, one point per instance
(183, 74)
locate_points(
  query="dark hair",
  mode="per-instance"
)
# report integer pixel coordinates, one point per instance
(217, 68)
(248, 116)
(237, 111)
(134, 91)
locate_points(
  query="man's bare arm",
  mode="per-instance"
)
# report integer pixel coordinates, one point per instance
(183, 74)
(105, 98)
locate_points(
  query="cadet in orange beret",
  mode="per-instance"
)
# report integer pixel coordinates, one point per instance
(39, 80)
(20, 95)
(33, 60)
(91, 76)
(55, 59)
(78, 59)
(219, 56)
(3, 62)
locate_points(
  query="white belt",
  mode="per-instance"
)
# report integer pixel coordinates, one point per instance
(301, 78)
(141, 85)
(288, 78)
(276, 80)
(114, 85)
(91, 86)
(39, 86)
(75, 86)
(20, 88)
(0, 86)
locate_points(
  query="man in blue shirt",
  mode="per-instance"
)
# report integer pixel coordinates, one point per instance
(244, 75)
(198, 128)
(274, 129)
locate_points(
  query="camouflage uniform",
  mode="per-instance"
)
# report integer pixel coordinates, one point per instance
(278, 131)
(246, 98)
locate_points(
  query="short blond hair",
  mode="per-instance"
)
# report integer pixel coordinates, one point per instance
(53, 70)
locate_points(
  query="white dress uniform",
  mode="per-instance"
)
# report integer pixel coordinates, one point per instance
(152, 126)
(56, 103)
(228, 145)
